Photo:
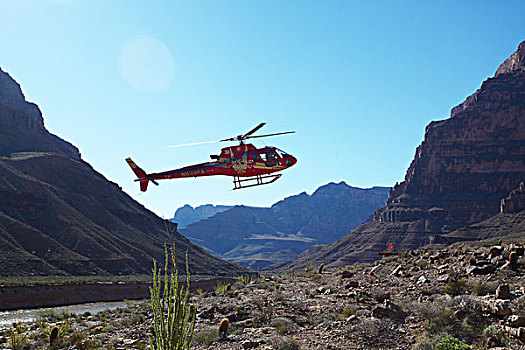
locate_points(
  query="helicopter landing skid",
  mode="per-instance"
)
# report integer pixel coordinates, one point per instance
(253, 181)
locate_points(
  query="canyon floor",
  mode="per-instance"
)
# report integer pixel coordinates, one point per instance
(406, 301)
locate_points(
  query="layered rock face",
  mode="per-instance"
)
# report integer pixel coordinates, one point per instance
(460, 173)
(469, 162)
(58, 216)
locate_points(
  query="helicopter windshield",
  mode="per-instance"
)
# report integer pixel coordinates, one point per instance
(268, 155)
(281, 153)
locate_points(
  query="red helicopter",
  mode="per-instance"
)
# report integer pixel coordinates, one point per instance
(248, 165)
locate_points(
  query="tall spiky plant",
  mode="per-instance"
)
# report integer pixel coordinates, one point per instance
(173, 314)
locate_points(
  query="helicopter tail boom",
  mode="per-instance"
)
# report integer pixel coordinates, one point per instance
(141, 174)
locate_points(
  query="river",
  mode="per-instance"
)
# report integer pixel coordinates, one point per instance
(7, 318)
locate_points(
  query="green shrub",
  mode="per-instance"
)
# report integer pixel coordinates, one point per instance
(348, 312)
(173, 315)
(428, 343)
(282, 324)
(207, 336)
(451, 343)
(483, 288)
(455, 287)
(290, 344)
(439, 317)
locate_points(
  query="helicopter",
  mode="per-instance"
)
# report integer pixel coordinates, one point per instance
(249, 166)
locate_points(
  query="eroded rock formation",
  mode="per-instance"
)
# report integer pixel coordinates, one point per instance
(515, 202)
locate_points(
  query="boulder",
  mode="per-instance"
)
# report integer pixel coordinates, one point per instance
(346, 274)
(503, 291)
(389, 310)
(516, 321)
(481, 270)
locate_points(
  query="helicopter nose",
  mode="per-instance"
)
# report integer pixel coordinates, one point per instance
(290, 160)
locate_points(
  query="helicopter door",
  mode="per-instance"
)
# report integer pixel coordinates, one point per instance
(270, 158)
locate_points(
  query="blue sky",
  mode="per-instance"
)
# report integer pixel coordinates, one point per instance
(357, 80)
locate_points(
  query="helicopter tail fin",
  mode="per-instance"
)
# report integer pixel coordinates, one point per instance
(141, 174)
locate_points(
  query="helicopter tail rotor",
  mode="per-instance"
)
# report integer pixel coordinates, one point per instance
(143, 178)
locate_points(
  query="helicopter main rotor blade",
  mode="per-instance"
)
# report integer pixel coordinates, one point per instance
(240, 138)
(253, 130)
(193, 144)
(279, 133)
(245, 136)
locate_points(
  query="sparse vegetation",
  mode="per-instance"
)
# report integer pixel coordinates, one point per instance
(207, 336)
(439, 318)
(17, 337)
(456, 287)
(483, 288)
(428, 343)
(66, 280)
(282, 324)
(289, 344)
(348, 312)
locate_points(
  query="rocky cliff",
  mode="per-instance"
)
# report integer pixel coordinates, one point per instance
(257, 237)
(515, 202)
(58, 216)
(462, 170)
(469, 162)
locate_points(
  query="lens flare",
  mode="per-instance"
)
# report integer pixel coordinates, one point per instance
(146, 64)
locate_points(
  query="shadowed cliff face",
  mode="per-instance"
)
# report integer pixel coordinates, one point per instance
(22, 126)
(460, 173)
(58, 216)
(469, 162)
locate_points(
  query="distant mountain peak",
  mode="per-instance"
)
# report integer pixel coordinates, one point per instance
(257, 237)
(515, 62)
(187, 214)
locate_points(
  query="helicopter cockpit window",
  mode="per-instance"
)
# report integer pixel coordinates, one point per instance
(281, 153)
(270, 158)
(255, 157)
(268, 155)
